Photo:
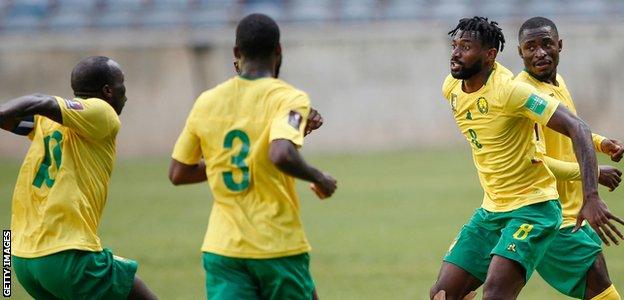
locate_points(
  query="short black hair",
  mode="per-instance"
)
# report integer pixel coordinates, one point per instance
(491, 34)
(257, 35)
(537, 22)
(92, 73)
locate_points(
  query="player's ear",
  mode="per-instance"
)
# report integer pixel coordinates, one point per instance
(107, 92)
(491, 54)
(278, 49)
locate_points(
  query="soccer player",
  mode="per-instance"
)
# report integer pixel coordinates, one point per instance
(505, 239)
(574, 263)
(62, 187)
(248, 131)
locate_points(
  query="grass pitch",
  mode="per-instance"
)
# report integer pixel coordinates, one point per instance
(382, 235)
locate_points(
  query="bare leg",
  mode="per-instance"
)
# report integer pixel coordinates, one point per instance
(597, 278)
(140, 291)
(455, 281)
(505, 279)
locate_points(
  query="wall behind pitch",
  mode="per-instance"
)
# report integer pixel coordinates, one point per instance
(377, 85)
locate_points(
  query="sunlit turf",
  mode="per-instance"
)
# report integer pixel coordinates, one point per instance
(382, 235)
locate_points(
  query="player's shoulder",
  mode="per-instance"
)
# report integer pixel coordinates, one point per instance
(449, 84)
(281, 91)
(525, 77)
(561, 81)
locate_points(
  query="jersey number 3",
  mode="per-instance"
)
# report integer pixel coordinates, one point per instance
(52, 154)
(237, 160)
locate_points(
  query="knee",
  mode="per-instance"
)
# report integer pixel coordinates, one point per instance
(498, 289)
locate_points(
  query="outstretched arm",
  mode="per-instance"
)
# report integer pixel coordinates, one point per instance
(36, 104)
(285, 156)
(570, 171)
(180, 173)
(594, 210)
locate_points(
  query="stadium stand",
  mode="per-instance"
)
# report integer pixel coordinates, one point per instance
(64, 15)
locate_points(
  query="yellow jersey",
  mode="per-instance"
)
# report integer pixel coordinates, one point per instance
(497, 121)
(255, 212)
(62, 185)
(559, 146)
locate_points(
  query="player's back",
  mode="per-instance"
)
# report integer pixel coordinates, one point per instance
(256, 209)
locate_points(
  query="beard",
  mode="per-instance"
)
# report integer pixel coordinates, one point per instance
(468, 71)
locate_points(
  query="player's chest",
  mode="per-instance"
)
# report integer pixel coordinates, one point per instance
(476, 111)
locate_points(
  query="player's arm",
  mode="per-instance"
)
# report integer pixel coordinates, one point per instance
(187, 165)
(181, 173)
(569, 171)
(285, 156)
(22, 109)
(594, 210)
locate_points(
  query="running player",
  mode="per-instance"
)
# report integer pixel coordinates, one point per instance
(574, 263)
(248, 131)
(62, 187)
(505, 239)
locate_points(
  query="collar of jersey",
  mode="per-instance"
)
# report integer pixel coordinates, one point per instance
(547, 83)
(249, 78)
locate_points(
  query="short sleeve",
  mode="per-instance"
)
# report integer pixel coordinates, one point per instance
(291, 118)
(521, 99)
(187, 149)
(92, 118)
(447, 86)
(598, 139)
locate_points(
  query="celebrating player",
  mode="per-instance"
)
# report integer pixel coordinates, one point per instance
(62, 187)
(248, 130)
(505, 239)
(574, 263)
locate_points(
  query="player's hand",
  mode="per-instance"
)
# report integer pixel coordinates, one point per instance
(613, 148)
(325, 186)
(315, 121)
(610, 177)
(597, 214)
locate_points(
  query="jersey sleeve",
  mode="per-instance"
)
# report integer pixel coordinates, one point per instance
(291, 118)
(187, 149)
(563, 170)
(598, 139)
(447, 86)
(92, 118)
(522, 99)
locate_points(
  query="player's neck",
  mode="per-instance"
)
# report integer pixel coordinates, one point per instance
(478, 80)
(257, 69)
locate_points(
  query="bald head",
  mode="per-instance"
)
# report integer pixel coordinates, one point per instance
(99, 77)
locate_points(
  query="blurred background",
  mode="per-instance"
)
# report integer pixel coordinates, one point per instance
(374, 69)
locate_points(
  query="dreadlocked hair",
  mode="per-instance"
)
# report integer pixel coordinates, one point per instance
(490, 34)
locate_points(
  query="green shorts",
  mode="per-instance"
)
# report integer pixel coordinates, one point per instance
(522, 235)
(75, 274)
(568, 259)
(230, 278)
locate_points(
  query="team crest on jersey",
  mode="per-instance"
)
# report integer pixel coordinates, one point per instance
(75, 105)
(483, 105)
(454, 102)
(294, 119)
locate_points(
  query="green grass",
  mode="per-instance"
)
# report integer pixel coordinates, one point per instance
(382, 235)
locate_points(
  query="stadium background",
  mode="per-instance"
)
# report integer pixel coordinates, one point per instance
(372, 67)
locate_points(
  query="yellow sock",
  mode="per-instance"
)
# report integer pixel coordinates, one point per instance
(609, 294)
